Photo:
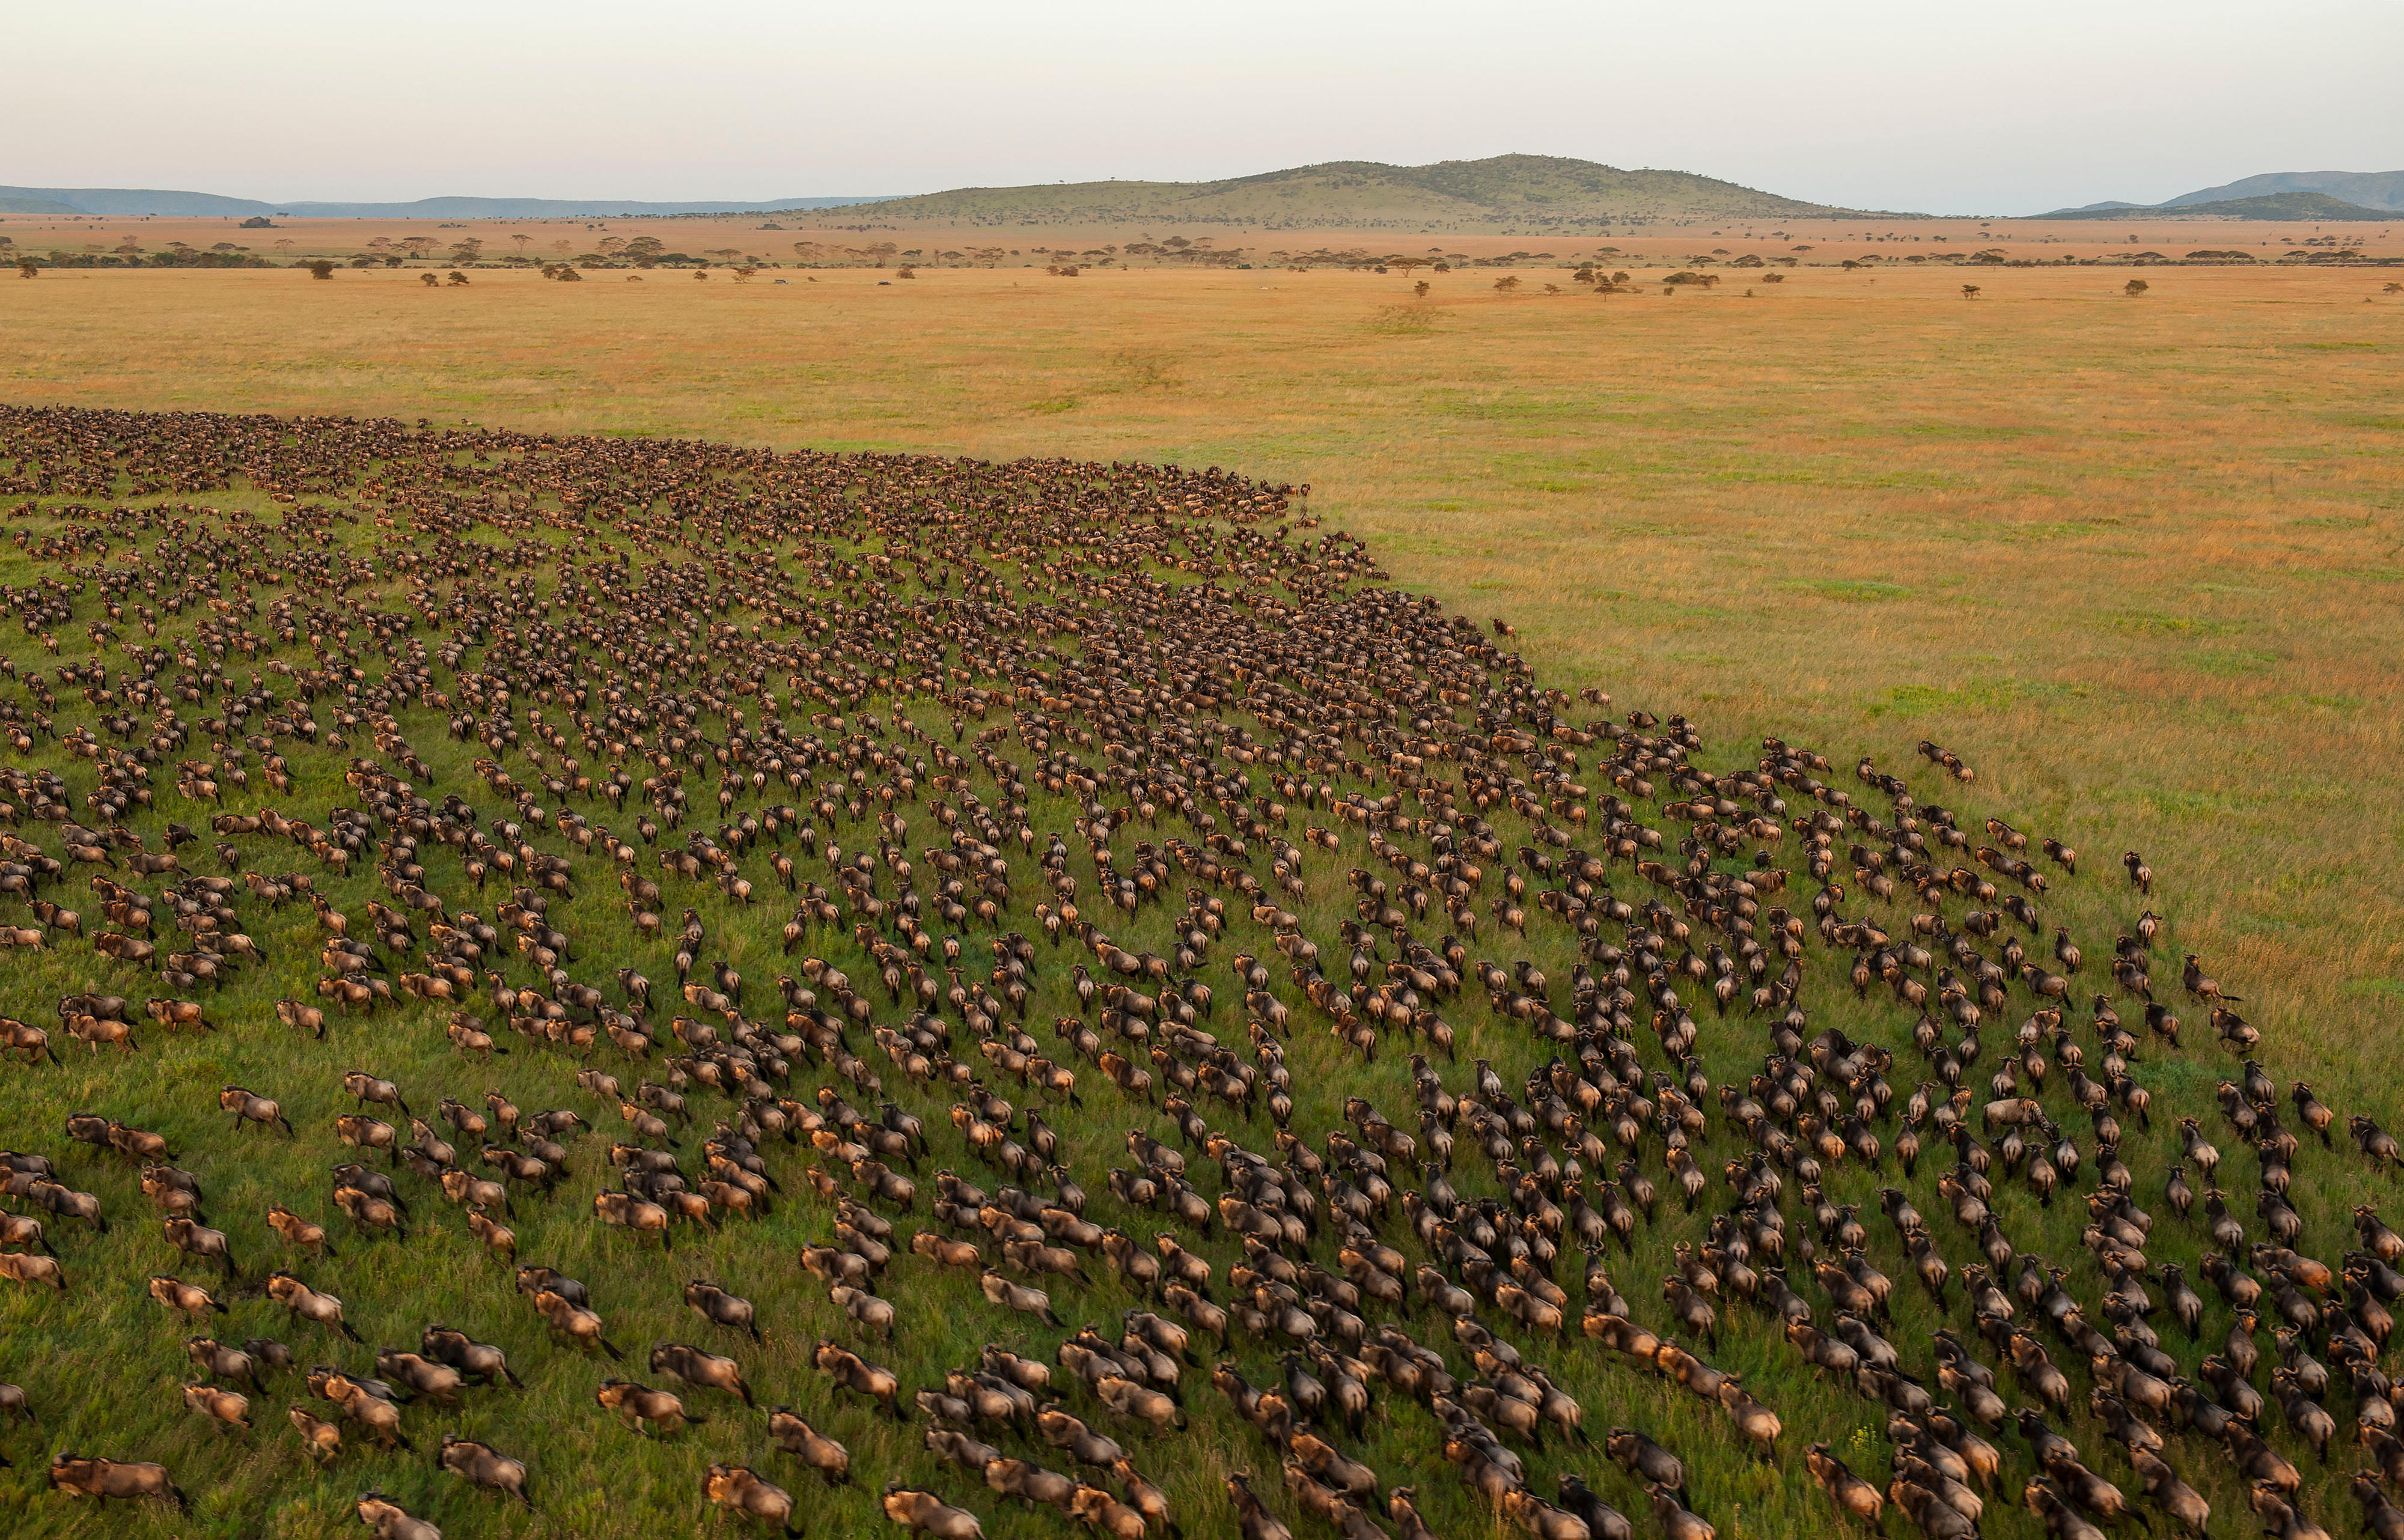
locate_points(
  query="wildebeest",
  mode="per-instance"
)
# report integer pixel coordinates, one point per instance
(857, 1375)
(27, 1268)
(248, 1108)
(701, 1369)
(419, 1375)
(363, 1404)
(194, 1239)
(389, 1520)
(479, 1466)
(308, 1304)
(576, 1323)
(640, 1404)
(830, 1460)
(299, 1233)
(213, 1357)
(322, 1439)
(914, 1508)
(474, 1360)
(190, 1298)
(82, 1476)
(717, 1304)
(741, 1489)
(224, 1407)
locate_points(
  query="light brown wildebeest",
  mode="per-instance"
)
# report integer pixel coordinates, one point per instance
(176, 1295)
(727, 1310)
(229, 1409)
(365, 1088)
(370, 1212)
(361, 1131)
(179, 1013)
(1110, 1517)
(916, 1510)
(299, 1233)
(82, 1476)
(362, 1406)
(321, 1439)
(213, 1357)
(391, 1522)
(740, 1490)
(418, 1374)
(194, 1239)
(700, 1370)
(26, 1268)
(308, 1304)
(639, 1215)
(578, 1324)
(856, 1374)
(93, 1031)
(483, 1467)
(33, 1042)
(640, 1404)
(822, 1454)
(497, 1238)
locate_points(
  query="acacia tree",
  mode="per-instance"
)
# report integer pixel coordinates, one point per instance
(522, 240)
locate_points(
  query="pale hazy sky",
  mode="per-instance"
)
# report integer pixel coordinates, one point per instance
(1920, 106)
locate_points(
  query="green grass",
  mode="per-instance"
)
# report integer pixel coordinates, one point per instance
(2113, 737)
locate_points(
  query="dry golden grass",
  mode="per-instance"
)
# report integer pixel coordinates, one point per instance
(1824, 241)
(2137, 560)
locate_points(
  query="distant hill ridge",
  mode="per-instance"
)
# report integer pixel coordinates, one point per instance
(2284, 207)
(2369, 190)
(1502, 192)
(125, 203)
(2279, 195)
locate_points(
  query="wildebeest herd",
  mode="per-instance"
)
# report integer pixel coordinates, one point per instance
(979, 943)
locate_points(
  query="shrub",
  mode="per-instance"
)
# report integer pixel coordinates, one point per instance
(320, 269)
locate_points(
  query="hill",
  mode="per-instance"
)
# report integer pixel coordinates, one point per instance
(2369, 190)
(1504, 191)
(130, 201)
(2289, 207)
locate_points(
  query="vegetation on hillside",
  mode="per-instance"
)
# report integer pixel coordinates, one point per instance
(1535, 193)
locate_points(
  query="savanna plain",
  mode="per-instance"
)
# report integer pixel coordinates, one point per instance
(2135, 560)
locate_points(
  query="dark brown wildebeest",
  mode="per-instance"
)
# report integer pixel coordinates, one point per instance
(475, 1360)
